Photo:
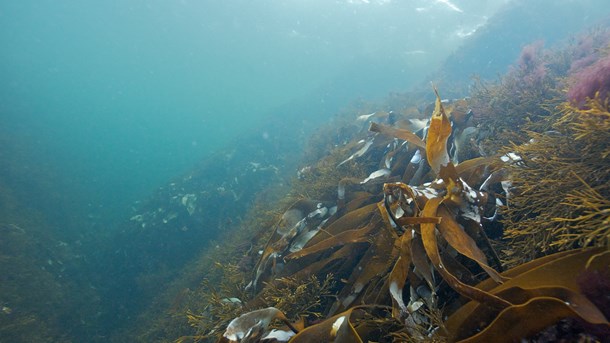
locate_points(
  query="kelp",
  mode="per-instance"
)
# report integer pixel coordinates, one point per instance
(347, 326)
(298, 225)
(405, 135)
(406, 244)
(541, 292)
(427, 213)
(409, 244)
(319, 181)
(456, 197)
(380, 249)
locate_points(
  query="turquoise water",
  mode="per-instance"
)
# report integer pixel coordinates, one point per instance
(124, 95)
(104, 102)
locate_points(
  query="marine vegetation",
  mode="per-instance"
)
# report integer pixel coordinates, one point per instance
(474, 220)
(412, 252)
(574, 156)
(592, 79)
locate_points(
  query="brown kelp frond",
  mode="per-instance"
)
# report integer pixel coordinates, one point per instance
(357, 324)
(561, 185)
(298, 225)
(432, 250)
(458, 199)
(403, 134)
(388, 251)
(407, 222)
(542, 292)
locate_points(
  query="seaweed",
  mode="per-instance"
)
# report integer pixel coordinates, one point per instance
(300, 298)
(492, 212)
(353, 325)
(541, 293)
(560, 186)
(420, 250)
(377, 247)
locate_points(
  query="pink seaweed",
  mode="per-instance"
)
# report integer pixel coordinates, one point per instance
(590, 80)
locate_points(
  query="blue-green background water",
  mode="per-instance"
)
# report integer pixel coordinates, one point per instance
(122, 95)
(105, 103)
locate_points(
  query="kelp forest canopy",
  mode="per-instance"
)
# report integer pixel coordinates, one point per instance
(479, 219)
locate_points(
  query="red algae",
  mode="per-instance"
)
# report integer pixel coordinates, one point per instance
(592, 80)
(531, 65)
